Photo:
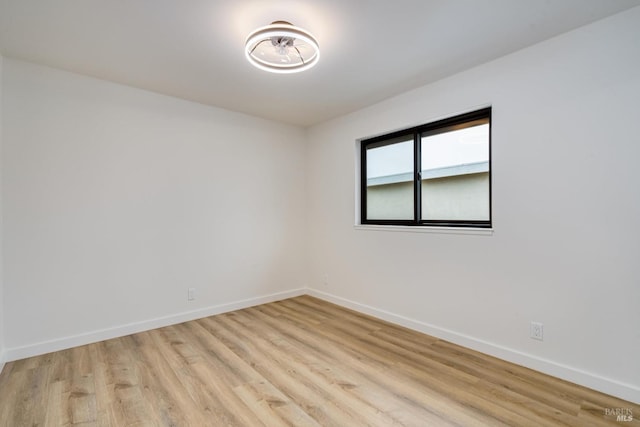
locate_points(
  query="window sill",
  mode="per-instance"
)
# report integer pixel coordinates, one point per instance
(425, 229)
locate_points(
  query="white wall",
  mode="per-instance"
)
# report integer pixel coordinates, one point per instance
(116, 201)
(1, 273)
(566, 241)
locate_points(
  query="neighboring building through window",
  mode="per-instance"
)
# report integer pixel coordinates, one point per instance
(437, 174)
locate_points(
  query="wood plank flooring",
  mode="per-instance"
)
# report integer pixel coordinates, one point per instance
(297, 362)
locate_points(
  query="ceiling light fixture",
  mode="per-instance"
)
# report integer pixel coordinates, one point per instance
(282, 48)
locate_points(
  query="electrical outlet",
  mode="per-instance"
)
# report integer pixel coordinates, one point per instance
(325, 279)
(192, 294)
(536, 331)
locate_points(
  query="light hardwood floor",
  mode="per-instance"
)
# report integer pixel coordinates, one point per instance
(298, 362)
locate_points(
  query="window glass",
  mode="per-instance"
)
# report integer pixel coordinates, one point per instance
(455, 174)
(390, 180)
(437, 174)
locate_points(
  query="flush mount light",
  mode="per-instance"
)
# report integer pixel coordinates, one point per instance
(282, 48)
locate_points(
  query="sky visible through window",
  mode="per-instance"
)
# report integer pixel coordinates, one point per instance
(464, 146)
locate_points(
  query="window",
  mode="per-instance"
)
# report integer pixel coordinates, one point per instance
(437, 174)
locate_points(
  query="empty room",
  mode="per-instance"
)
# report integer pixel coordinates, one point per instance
(319, 213)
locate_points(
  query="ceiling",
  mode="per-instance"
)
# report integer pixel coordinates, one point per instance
(371, 49)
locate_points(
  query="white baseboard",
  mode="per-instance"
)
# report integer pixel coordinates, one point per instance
(17, 353)
(609, 386)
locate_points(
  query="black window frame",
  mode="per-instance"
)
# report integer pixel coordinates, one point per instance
(440, 126)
